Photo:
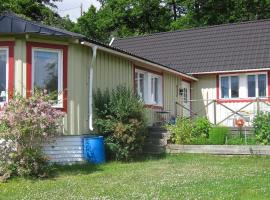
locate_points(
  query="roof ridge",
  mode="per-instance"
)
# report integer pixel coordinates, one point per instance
(193, 29)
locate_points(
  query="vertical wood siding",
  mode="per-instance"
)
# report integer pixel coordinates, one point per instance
(111, 71)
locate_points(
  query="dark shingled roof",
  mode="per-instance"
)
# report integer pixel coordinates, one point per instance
(10, 23)
(227, 47)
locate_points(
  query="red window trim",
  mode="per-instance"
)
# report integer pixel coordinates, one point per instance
(153, 72)
(10, 45)
(64, 49)
(240, 100)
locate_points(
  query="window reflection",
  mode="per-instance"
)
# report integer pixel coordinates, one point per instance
(3, 75)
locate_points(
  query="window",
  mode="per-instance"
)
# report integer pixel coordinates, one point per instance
(149, 87)
(47, 70)
(3, 75)
(252, 86)
(229, 87)
(234, 86)
(262, 85)
(224, 87)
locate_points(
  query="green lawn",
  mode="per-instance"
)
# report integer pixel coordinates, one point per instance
(184, 176)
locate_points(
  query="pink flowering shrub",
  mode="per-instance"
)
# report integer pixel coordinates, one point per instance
(28, 123)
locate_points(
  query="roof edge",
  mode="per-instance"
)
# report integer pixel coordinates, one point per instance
(230, 71)
(192, 29)
(128, 55)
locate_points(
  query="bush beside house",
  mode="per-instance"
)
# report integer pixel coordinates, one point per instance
(120, 118)
(25, 124)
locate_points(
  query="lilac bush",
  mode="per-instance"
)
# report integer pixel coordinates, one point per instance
(28, 123)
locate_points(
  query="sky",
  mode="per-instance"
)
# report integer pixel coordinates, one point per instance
(72, 7)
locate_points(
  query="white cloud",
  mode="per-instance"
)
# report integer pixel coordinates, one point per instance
(72, 7)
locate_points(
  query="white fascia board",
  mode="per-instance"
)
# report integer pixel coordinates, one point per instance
(133, 58)
(232, 71)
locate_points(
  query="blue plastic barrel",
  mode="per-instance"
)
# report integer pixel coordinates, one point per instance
(94, 150)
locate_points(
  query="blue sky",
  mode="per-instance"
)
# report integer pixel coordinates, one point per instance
(72, 7)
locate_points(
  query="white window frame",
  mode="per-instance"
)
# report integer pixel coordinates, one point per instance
(148, 97)
(245, 76)
(7, 73)
(257, 84)
(60, 99)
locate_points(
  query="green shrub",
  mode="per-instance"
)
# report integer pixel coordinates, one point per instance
(25, 124)
(201, 127)
(180, 131)
(217, 135)
(261, 125)
(120, 118)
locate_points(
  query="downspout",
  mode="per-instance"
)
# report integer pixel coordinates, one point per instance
(90, 76)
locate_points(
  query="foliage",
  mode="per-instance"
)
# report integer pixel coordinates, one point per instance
(201, 127)
(122, 18)
(120, 117)
(217, 135)
(26, 123)
(180, 132)
(261, 125)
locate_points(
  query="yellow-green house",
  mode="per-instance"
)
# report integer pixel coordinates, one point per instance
(79, 66)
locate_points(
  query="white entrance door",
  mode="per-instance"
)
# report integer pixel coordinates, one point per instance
(185, 98)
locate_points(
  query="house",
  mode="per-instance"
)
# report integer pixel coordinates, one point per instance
(231, 63)
(220, 72)
(34, 55)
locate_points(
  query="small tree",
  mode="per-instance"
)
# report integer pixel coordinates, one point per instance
(25, 124)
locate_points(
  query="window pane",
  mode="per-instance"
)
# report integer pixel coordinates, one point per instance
(3, 75)
(224, 87)
(141, 88)
(136, 83)
(262, 85)
(46, 71)
(154, 89)
(251, 86)
(234, 86)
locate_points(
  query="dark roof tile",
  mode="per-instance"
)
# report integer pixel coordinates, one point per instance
(217, 48)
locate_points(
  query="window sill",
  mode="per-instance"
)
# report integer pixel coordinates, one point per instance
(242, 100)
(153, 106)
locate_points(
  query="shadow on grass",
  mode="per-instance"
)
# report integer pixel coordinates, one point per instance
(150, 157)
(76, 169)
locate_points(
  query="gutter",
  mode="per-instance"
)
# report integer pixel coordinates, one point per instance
(90, 84)
(135, 58)
(231, 71)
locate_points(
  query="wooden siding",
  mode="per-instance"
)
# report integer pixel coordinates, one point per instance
(79, 57)
(205, 89)
(111, 71)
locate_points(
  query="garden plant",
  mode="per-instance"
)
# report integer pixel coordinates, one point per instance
(25, 125)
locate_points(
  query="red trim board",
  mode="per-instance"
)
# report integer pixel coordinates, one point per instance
(10, 46)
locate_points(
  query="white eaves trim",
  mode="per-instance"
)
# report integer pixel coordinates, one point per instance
(232, 71)
(139, 60)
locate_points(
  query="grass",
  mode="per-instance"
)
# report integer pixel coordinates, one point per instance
(184, 176)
